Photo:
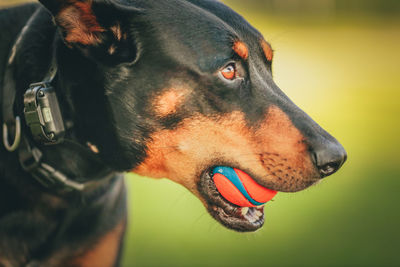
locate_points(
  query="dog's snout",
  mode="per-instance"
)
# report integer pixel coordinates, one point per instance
(329, 157)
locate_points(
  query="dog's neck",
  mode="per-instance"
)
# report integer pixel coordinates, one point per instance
(81, 102)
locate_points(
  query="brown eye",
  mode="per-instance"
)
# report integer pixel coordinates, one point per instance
(229, 72)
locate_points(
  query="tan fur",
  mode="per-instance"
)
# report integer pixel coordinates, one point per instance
(268, 52)
(116, 30)
(112, 49)
(169, 101)
(270, 151)
(79, 23)
(241, 49)
(105, 252)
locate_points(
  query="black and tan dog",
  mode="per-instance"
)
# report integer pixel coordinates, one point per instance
(166, 88)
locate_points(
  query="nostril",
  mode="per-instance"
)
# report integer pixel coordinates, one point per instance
(329, 159)
(328, 169)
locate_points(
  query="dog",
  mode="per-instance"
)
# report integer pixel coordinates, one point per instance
(91, 89)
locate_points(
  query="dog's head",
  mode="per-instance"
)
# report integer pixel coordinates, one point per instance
(187, 86)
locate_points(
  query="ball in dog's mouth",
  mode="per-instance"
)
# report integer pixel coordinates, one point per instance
(239, 188)
(234, 198)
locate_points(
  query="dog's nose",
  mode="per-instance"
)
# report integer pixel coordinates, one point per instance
(329, 158)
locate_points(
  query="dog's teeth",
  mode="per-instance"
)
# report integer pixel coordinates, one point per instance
(252, 218)
(244, 210)
(258, 213)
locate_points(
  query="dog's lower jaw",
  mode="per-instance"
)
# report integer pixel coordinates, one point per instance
(241, 219)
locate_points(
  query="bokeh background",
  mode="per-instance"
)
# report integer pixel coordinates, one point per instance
(339, 60)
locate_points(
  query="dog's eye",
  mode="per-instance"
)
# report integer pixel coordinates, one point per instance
(229, 72)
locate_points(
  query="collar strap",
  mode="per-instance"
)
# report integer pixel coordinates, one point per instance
(43, 117)
(12, 123)
(41, 109)
(31, 160)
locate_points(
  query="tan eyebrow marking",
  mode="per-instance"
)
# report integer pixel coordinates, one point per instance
(241, 49)
(268, 52)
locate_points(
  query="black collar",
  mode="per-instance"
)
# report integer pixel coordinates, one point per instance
(43, 118)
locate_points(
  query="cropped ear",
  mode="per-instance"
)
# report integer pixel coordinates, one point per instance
(77, 21)
(98, 27)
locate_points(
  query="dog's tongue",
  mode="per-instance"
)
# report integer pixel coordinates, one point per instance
(239, 188)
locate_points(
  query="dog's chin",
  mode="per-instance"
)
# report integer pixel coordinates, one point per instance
(242, 219)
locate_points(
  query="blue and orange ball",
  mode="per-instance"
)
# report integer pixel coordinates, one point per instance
(239, 188)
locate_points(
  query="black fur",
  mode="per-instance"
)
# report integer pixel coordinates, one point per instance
(107, 98)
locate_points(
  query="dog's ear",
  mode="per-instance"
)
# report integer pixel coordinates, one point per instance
(95, 26)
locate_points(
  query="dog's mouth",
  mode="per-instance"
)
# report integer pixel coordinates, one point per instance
(245, 215)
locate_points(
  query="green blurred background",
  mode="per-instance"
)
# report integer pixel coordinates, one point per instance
(339, 61)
